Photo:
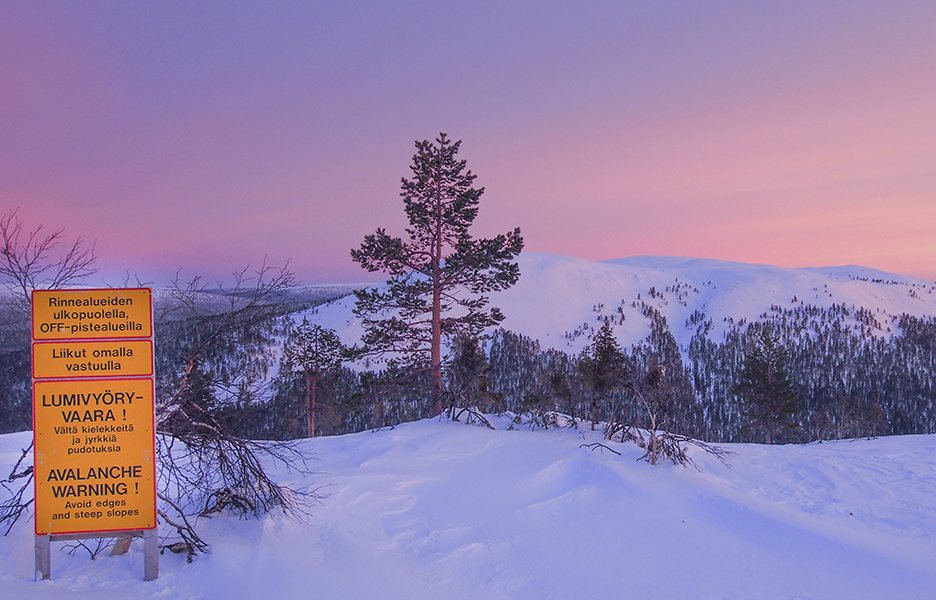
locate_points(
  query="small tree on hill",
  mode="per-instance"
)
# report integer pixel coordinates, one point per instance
(30, 259)
(656, 394)
(439, 274)
(769, 400)
(314, 351)
(468, 384)
(603, 367)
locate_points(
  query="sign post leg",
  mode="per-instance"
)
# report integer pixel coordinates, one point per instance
(122, 544)
(150, 554)
(43, 558)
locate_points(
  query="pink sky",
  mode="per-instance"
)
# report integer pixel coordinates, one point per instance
(205, 136)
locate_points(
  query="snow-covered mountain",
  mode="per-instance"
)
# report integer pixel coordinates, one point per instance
(560, 300)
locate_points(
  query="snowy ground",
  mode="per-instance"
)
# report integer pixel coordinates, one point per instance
(448, 511)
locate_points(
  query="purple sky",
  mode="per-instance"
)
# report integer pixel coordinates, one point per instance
(204, 136)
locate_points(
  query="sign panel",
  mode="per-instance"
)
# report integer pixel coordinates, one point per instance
(94, 451)
(92, 314)
(124, 358)
(93, 413)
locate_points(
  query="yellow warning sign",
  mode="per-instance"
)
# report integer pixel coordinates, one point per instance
(121, 358)
(94, 453)
(92, 314)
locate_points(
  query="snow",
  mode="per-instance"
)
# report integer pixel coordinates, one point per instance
(557, 295)
(437, 509)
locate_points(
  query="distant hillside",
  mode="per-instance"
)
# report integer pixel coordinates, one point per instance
(301, 296)
(861, 343)
(560, 301)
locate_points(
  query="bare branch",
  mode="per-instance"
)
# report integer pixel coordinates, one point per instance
(598, 445)
(28, 259)
(19, 500)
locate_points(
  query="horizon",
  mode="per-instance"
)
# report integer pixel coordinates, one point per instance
(102, 280)
(206, 138)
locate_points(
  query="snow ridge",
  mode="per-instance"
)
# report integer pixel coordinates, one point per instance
(561, 300)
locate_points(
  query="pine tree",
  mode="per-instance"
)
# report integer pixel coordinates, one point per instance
(439, 274)
(769, 400)
(604, 369)
(315, 351)
(467, 376)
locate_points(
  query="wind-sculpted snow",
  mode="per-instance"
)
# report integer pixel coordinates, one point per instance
(444, 510)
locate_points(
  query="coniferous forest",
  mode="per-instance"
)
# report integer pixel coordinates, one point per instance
(847, 382)
(849, 376)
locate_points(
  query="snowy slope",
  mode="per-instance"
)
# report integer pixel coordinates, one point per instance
(560, 300)
(434, 510)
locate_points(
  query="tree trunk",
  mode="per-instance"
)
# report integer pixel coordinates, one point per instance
(436, 351)
(310, 404)
(435, 363)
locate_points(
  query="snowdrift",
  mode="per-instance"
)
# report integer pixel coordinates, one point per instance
(433, 510)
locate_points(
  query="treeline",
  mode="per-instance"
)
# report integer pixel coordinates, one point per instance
(850, 377)
(232, 368)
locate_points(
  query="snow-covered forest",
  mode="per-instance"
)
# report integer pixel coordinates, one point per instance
(861, 348)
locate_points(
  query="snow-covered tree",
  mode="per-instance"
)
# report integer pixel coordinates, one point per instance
(769, 399)
(603, 367)
(313, 351)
